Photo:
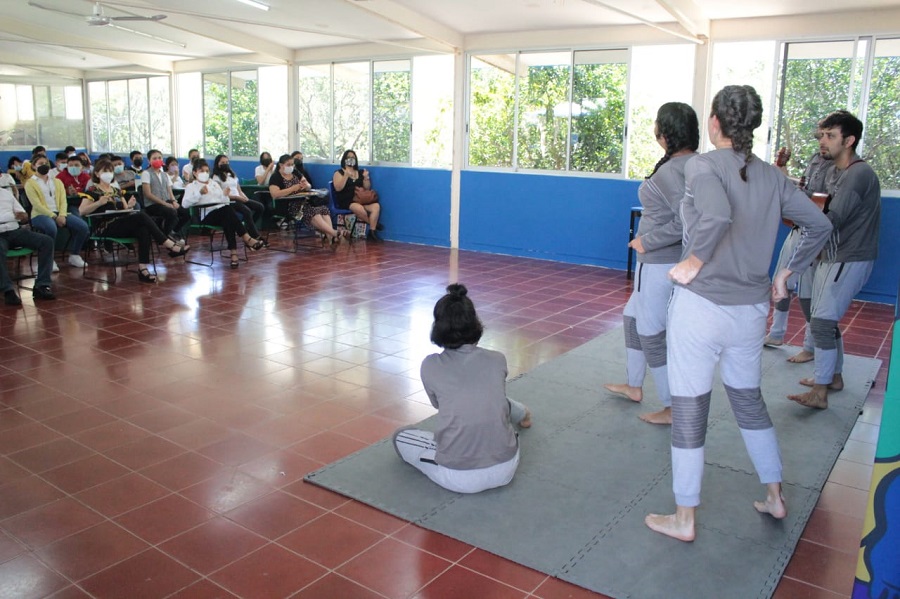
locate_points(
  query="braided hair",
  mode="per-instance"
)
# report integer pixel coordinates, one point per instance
(739, 110)
(677, 123)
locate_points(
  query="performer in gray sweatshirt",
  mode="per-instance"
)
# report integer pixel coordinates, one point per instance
(732, 208)
(658, 247)
(855, 211)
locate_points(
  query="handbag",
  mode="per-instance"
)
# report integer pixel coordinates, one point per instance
(365, 196)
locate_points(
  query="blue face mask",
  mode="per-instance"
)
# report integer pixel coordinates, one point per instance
(119, 168)
(74, 170)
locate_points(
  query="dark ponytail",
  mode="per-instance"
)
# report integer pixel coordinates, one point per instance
(739, 110)
(677, 123)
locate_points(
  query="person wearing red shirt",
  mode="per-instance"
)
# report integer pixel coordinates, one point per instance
(74, 177)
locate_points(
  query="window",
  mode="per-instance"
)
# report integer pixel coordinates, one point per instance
(46, 114)
(882, 120)
(391, 119)
(130, 114)
(315, 112)
(432, 111)
(230, 110)
(351, 109)
(569, 108)
(189, 98)
(273, 109)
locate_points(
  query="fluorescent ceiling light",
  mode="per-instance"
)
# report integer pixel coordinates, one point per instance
(254, 4)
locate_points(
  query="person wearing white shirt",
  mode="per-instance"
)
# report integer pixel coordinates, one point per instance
(250, 210)
(11, 236)
(265, 169)
(187, 171)
(172, 171)
(216, 210)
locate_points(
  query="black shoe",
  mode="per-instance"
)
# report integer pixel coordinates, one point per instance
(43, 293)
(379, 227)
(372, 235)
(11, 299)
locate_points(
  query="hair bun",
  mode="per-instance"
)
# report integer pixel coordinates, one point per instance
(457, 290)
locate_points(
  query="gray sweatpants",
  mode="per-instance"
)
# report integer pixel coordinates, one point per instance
(834, 287)
(800, 286)
(417, 448)
(645, 328)
(702, 334)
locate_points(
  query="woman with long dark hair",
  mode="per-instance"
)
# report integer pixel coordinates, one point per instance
(731, 210)
(658, 247)
(250, 210)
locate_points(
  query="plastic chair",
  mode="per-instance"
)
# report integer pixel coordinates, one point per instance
(335, 211)
(115, 245)
(210, 231)
(18, 254)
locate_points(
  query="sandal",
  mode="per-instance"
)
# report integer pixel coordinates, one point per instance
(179, 250)
(235, 262)
(144, 276)
(260, 244)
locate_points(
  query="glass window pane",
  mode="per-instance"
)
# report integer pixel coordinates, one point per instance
(244, 114)
(598, 111)
(160, 115)
(315, 112)
(119, 129)
(491, 109)
(74, 103)
(743, 63)
(41, 101)
(544, 110)
(659, 74)
(99, 116)
(816, 82)
(432, 104)
(25, 102)
(189, 96)
(882, 126)
(391, 117)
(55, 127)
(351, 110)
(273, 105)
(15, 130)
(138, 115)
(57, 102)
(215, 114)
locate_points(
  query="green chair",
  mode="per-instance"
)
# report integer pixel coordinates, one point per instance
(114, 245)
(210, 231)
(18, 254)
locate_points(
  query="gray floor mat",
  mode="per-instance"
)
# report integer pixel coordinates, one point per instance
(590, 471)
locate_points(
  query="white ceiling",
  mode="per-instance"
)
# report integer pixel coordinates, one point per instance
(40, 42)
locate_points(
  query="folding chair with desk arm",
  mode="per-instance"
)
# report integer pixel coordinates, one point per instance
(210, 231)
(300, 231)
(112, 245)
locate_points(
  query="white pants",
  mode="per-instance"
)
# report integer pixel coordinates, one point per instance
(416, 448)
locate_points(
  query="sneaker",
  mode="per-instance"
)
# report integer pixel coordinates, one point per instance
(44, 293)
(55, 266)
(76, 261)
(11, 299)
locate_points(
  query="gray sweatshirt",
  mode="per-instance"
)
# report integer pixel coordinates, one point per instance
(660, 226)
(855, 212)
(468, 388)
(731, 225)
(815, 174)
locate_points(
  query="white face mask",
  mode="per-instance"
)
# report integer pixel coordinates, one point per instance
(203, 177)
(287, 170)
(106, 177)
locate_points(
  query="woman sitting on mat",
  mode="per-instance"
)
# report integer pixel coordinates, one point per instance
(475, 446)
(210, 198)
(104, 196)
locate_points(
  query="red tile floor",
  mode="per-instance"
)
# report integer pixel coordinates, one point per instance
(153, 438)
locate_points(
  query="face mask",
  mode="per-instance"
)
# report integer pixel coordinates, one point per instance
(61, 166)
(43, 169)
(138, 162)
(298, 163)
(351, 162)
(203, 177)
(17, 167)
(266, 162)
(173, 169)
(74, 170)
(119, 168)
(287, 170)
(158, 163)
(106, 177)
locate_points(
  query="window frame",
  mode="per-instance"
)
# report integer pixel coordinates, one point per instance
(89, 133)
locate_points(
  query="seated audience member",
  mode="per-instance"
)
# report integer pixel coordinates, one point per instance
(297, 155)
(250, 210)
(27, 167)
(265, 169)
(285, 182)
(70, 151)
(125, 178)
(475, 446)
(188, 169)
(49, 210)
(73, 177)
(346, 181)
(104, 196)
(158, 197)
(14, 169)
(215, 210)
(86, 163)
(175, 179)
(62, 161)
(13, 236)
(137, 162)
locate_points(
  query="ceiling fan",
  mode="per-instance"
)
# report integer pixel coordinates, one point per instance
(97, 18)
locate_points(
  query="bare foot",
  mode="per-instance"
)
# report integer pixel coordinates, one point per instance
(627, 391)
(837, 383)
(816, 398)
(801, 357)
(773, 505)
(663, 416)
(771, 342)
(670, 526)
(526, 422)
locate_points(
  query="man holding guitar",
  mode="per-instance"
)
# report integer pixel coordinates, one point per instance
(847, 259)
